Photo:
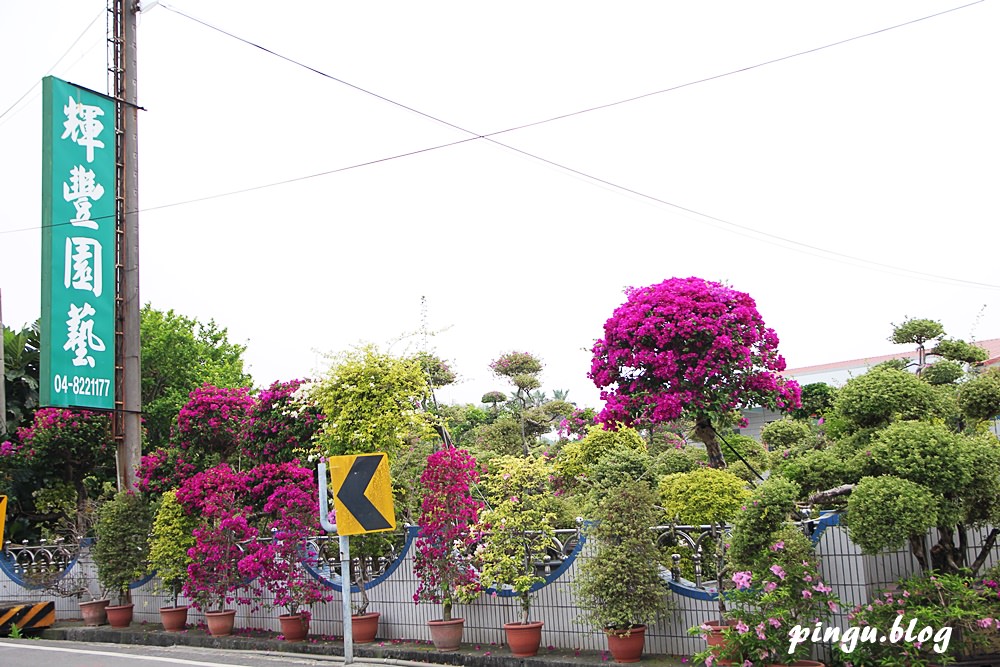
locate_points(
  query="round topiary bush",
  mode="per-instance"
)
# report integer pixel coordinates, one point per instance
(884, 512)
(703, 496)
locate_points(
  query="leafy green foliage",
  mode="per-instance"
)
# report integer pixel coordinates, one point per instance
(979, 398)
(928, 454)
(883, 512)
(818, 469)
(599, 442)
(754, 528)
(518, 526)
(169, 541)
(916, 331)
(620, 586)
(960, 351)
(617, 467)
(703, 496)
(942, 372)
(817, 400)
(370, 399)
(959, 608)
(20, 375)
(673, 460)
(786, 434)
(753, 453)
(882, 395)
(122, 543)
(180, 354)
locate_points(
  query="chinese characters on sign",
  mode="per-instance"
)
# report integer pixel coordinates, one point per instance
(78, 247)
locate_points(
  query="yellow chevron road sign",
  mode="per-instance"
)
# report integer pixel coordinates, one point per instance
(3, 515)
(362, 494)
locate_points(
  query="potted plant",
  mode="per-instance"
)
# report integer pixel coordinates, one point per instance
(120, 552)
(619, 588)
(279, 566)
(365, 550)
(171, 538)
(444, 558)
(219, 497)
(768, 603)
(517, 532)
(756, 526)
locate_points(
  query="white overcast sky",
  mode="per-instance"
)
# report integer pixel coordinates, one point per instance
(826, 174)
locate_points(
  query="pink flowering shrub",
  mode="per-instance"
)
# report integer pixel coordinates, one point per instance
(444, 559)
(163, 470)
(239, 512)
(575, 426)
(63, 452)
(214, 421)
(766, 605)
(690, 348)
(943, 616)
(279, 565)
(280, 423)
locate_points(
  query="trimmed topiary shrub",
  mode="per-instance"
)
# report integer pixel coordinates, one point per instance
(703, 496)
(884, 512)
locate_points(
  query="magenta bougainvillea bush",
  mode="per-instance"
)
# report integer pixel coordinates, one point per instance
(251, 537)
(281, 423)
(688, 347)
(214, 420)
(444, 560)
(219, 425)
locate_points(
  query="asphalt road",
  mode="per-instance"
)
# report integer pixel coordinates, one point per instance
(42, 653)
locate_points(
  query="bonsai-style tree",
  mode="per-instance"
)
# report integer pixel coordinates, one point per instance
(172, 536)
(443, 562)
(521, 369)
(688, 348)
(121, 549)
(518, 528)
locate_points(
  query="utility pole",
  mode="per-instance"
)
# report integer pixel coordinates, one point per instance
(128, 399)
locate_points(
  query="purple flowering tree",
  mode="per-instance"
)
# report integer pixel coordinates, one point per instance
(214, 421)
(444, 561)
(688, 348)
(281, 424)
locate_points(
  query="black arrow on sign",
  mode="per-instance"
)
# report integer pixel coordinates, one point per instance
(352, 493)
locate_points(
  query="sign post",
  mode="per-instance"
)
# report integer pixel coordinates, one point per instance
(362, 499)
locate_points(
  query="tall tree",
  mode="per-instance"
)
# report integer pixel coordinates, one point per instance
(180, 354)
(690, 348)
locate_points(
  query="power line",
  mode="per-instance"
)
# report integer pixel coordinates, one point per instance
(55, 64)
(730, 226)
(721, 223)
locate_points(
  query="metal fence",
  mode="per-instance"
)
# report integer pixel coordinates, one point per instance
(853, 576)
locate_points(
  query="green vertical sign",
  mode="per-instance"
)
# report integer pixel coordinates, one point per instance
(78, 247)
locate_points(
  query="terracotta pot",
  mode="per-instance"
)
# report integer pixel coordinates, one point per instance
(120, 616)
(364, 627)
(524, 638)
(173, 618)
(220, 623)
(626, 646)
(446, 635)
(94, 612)
(294, 627)
(717, 639)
